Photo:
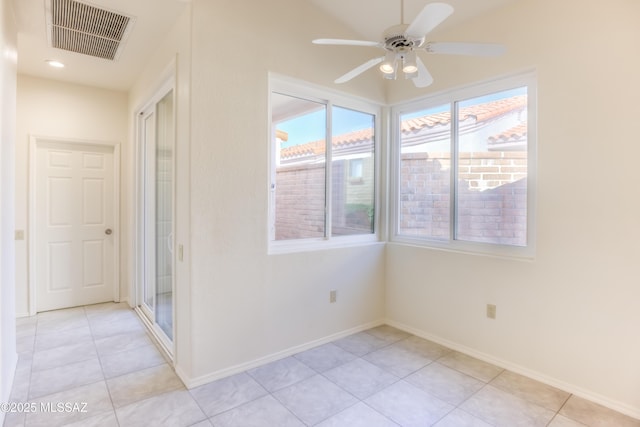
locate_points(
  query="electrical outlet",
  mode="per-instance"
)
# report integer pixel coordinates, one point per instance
(491, 311)
(333, 296)
(19, 234)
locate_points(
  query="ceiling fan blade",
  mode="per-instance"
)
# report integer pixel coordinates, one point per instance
(424, 78)
(342, 42)
(473, 49)
(429, 18)
(358, 70)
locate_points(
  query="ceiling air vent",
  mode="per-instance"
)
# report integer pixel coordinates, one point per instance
(86, 29)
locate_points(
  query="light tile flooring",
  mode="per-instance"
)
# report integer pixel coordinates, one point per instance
(102, 355)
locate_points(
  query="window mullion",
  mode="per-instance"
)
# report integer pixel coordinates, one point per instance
(328, 173)
(453, 193)
(274, 155)
(396, 171)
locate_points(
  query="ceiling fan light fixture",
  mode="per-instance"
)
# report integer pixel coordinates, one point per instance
(390, 76)
(411, 75)
(388, 66)
(409, 64)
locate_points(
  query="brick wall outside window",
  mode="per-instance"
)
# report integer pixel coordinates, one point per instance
(492, 205)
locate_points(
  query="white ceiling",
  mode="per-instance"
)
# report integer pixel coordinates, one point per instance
(370, 18)
(154, 18)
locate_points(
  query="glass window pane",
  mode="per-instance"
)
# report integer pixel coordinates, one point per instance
(300, 157)
(149, 123)
(425, 167)
(352, 169)
(492, 169)
(164, 214)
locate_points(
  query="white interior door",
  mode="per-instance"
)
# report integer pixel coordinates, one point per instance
(74, 219)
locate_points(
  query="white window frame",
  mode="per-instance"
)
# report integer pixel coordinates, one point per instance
(300, 89)
(527, 79)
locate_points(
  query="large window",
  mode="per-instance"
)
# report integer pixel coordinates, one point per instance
(465, 163)
(323, 168)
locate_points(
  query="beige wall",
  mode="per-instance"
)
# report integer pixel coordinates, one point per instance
(8, 63)
(246, 304)
(570, 316)
(61, 110)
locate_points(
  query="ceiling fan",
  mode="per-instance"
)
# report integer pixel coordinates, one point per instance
(402, 42)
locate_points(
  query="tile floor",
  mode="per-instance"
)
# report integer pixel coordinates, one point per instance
(101, 355)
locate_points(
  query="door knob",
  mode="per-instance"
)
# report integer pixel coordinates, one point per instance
(108, 231)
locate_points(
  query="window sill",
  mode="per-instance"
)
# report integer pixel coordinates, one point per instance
(516, 253)
(311, 245)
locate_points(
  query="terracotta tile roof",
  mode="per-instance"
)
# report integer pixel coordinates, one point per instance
(480, 112)
(318, 147)
(308, 149)
(493, 109)
(516, 133)
(417, 123)
(353, 137)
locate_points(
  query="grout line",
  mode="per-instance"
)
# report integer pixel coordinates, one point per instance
(285, 407)
(104, 378)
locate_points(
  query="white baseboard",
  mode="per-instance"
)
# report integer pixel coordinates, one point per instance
(126, 300)
(23, 314)
(204, 379)
(621, 407)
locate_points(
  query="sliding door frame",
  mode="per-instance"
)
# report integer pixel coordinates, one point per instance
(142, 200)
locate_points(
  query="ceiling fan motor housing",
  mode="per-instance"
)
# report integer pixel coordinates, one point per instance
(396, 40)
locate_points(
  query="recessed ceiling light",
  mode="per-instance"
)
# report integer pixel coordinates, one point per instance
(54, 63)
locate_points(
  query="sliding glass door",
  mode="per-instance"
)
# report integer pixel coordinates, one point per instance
(156, 216)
